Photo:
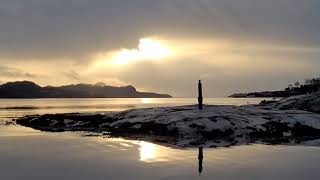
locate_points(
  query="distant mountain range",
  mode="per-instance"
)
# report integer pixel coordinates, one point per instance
(27, 89)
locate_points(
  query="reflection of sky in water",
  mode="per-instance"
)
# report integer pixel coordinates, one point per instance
(29, 154)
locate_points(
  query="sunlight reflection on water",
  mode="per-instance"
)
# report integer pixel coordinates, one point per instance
(147, 151)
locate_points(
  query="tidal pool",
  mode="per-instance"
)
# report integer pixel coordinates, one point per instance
(31, 154)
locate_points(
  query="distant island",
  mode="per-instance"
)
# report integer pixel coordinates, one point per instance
(309, 86)
(27, 89)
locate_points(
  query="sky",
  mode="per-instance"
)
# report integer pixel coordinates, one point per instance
(163, 46)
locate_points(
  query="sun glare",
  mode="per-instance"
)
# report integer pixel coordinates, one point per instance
(152, 49)
(146, 100)
(147, 151)
(148, 49)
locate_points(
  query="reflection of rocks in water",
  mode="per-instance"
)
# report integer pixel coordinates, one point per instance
(200, 157)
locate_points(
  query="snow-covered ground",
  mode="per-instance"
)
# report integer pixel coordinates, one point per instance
(309, 102)
(289, 121)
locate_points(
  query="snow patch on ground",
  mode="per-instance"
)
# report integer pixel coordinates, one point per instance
(285, 121)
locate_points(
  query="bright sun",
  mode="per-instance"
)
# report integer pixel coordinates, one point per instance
(148, 49)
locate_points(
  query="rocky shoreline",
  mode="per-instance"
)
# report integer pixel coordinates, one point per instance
(292, 120)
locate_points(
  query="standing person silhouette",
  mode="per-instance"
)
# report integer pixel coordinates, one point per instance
(200, 98)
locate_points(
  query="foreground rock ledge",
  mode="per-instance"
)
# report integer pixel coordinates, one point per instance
(185, 126)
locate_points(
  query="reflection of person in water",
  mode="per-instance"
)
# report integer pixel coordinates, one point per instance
(200, 157)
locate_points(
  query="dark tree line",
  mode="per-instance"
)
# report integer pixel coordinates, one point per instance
(309, 86)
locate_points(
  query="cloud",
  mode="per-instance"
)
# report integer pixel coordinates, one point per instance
(8, 72)
(57, 29)
(72, 75)
(232, 45)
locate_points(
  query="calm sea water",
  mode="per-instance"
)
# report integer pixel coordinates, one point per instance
(30, 154)
(13, 108)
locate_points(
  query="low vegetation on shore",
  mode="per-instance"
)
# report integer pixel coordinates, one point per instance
(308, 87)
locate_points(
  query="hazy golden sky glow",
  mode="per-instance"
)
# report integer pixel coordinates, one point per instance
(163, 46)
(148, 49)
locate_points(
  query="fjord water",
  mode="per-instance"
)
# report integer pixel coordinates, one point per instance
(30, 154)
(13, 108)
